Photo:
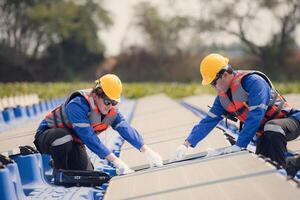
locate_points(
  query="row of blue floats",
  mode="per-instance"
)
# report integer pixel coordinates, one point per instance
(12, 116)
(29, 176)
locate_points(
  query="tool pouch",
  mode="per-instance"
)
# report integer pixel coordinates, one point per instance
(69, 178)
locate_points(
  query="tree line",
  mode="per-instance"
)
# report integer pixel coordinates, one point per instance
(177, 43)
(50, 40)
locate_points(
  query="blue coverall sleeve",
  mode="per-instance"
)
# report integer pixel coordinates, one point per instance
(259, 93)
(201, 130)
(77, 112)
(127, 132)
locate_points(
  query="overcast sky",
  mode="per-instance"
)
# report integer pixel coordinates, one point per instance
(123, 32)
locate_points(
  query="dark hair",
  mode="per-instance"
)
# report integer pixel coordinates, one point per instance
(229, 69)
(99, 92)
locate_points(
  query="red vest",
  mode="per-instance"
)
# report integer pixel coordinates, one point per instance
(58, 118)
(238, 107)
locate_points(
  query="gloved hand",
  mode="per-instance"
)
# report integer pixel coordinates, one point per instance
(232, 149)
(212, 152)
(121, 167)
(180, 153)
(153, 157)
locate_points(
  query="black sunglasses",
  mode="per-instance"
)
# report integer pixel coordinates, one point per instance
(218, 76)
(107, 102)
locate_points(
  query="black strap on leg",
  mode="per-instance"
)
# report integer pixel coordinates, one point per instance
(26, 150)
(5, 160)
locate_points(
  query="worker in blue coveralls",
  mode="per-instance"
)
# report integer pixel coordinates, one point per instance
(86, 113)
(250, 97)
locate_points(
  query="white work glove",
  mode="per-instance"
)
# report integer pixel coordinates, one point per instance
(180, 153)
(121, 167)
(232, 149)
(212, 152)
(153, 157)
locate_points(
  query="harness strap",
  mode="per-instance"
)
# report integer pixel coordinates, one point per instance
(62, 117)
(55, 117)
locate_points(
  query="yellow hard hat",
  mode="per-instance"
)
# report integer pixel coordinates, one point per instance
(111, 86)
(210, 66)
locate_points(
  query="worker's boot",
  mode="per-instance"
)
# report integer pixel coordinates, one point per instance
(292, 166)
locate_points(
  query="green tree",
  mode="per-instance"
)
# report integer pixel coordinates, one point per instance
(165, 55)
(239, 17)
(163, 33)
(51, 32)
(79, 45)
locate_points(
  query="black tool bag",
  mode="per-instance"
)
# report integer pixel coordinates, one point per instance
(70, 178)
(26, 150)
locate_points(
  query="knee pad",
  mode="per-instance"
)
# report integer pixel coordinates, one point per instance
(62, 145)
(62, 140)
(273, 131)
(64, 148)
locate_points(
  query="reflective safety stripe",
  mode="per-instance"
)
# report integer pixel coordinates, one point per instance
(81, 125)
(263, 106)
(238, 106)
(212, 115)
(274, 128)
(119, 124)
(96, 121)
(62, 140)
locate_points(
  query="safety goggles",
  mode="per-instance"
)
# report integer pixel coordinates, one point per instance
(107, 102)
(218, 76)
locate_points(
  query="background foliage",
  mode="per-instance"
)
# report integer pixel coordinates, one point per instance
(49, 40)
(130, 90)
(60, 40)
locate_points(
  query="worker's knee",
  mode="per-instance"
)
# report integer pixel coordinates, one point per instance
(273, 131)
(272, 126)
(60, 138)
(62, 145)
(64, 140)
